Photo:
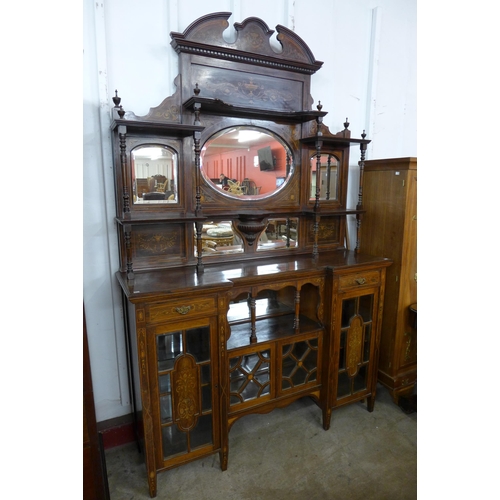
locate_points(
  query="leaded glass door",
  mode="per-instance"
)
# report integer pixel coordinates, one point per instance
(184, 379)
(356, 345)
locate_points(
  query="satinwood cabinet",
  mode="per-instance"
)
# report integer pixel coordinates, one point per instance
(231, 202)
(390, 228)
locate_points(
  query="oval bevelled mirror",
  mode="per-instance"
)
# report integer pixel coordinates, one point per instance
(328, 177)
(246, 162)
(154, 174)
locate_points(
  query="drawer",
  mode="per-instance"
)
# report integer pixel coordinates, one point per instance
(356, 280)
(179, 309)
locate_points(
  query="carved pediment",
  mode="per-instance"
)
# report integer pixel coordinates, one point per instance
(252, 45)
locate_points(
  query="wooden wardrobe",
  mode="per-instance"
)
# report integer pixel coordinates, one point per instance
(390, 228)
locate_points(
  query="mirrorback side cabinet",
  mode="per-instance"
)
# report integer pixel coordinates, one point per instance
(240, 295)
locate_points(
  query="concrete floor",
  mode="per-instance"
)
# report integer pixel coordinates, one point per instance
(286, 455)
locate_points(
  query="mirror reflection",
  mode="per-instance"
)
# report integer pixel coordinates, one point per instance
(219, 237)
(328, 177)
(246, 162)
(279, 233)
(154, 174)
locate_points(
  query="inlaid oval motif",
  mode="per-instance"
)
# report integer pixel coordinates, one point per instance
(186, 393)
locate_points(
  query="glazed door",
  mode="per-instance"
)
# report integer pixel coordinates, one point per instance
(356, 346)
(184, 385)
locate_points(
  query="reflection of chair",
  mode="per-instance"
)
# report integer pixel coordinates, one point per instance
(159, 183)
(160, 187)
(234, 187)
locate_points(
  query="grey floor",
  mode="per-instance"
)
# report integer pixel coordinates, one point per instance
(286, 455)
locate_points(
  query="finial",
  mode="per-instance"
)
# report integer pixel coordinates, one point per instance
(319, 106)
(363, 135)
(121, 111)
(116, 99)
(196, 90)
(346, 124)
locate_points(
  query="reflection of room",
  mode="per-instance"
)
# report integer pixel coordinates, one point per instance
(154, 173)
(251, 161)
(328, 177)
(219, 237)
(279, 233)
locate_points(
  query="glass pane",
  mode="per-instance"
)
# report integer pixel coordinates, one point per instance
(249, 377)
(344, 387)
(198, 343)
(206, 398)
(299, 377)
(174, 441)
(166, 409)
(342, 350)
(202, 433)
(164, 383)
(154, 175)
(348, 311)
(368, 336)
(299, 364)
(169, 346)
(205, 374)
(366, 307)
(359, 382)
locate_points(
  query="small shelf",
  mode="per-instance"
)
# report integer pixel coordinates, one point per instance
(240, 312)
(153, 127)
(219, 107)
(336, 141)
(270, 329)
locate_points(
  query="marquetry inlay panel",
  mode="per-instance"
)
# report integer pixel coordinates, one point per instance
(354, 345)
(186, 391)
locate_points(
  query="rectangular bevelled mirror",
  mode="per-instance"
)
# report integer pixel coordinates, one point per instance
(154, 174)
(328, 177)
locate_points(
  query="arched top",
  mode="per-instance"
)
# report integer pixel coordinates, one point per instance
(252, 45)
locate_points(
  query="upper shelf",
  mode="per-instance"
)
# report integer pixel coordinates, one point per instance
(156, 127)
(340, 142)
(218, 107)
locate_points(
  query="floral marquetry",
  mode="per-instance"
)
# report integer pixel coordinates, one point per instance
(354, 342)
(186, 383)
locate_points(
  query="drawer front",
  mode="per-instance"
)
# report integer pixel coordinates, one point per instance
(175, 310)
(357, 280)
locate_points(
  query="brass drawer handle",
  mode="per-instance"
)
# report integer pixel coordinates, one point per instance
(360, 281)
(183, 309)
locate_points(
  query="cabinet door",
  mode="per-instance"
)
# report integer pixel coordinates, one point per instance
(184, 386)
(300, 364)
(356, 327)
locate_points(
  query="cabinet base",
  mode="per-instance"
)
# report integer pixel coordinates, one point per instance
(401, 386)
(408, 403)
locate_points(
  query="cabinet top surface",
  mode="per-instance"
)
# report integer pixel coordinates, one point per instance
(217, 277)
(408, 163)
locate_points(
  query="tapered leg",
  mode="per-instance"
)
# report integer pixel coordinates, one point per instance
(152, 483)
(327, 415)
(223, 455)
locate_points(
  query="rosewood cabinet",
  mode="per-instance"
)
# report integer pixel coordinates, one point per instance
(390, 228)
(231, 205)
